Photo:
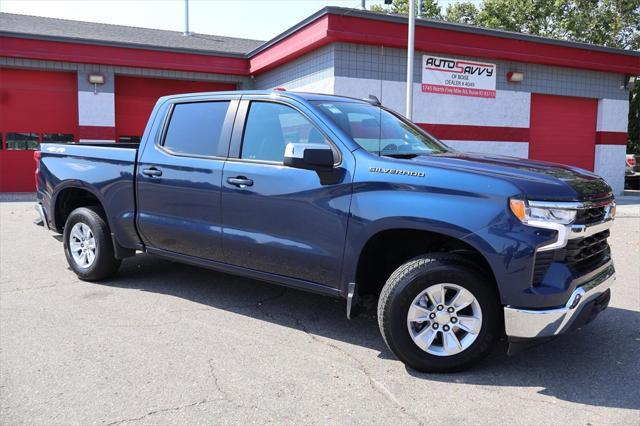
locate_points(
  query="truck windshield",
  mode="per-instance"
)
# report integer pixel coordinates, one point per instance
(379, 130)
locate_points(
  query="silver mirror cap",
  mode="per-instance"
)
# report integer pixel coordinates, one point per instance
(296, 150)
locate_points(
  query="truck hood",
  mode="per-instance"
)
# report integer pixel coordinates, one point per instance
(536, 179)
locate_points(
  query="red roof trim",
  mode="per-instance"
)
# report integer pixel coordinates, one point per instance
(120, 56)
(322, 30)
(297, 44)
(340, 28)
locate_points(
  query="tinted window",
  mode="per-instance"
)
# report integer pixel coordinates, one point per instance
(20, 141)
(57, 137)
(271, 126)
(195, 128)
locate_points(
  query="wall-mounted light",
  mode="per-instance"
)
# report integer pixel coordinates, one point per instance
(96, 79)
(515, 76)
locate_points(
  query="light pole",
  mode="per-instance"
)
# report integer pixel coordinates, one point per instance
(410, 48)
(186, 18)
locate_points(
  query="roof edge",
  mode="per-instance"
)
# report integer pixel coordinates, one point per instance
(94, 42)
(438, 24)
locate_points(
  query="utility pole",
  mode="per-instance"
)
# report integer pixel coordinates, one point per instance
(363, 4)
(419, 8)
(186, 18)
(410, 48)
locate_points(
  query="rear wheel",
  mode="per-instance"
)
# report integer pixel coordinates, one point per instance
(438, 313)
(88, 246)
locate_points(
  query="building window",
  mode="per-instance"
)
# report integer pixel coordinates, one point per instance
(129, 139)
(23, 141)
(57, 137)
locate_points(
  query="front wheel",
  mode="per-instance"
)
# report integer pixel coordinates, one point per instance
(437, 313)
(88, 246)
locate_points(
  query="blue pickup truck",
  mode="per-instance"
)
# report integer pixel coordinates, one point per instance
(346, 198)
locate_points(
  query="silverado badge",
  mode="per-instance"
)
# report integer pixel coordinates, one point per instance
(396, 172)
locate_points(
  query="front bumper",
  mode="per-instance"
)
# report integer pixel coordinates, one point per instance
(530, 324)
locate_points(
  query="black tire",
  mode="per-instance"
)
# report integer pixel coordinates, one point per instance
(105, 264)
(415, 276)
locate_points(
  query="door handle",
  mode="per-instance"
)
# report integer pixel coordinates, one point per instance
(152, 172)
(240, 181)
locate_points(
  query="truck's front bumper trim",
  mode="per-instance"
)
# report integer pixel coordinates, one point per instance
(529, 324)
(43, 215)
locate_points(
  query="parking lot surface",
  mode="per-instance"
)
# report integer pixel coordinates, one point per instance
(165, 343)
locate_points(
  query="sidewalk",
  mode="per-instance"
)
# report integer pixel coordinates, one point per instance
(628, 204)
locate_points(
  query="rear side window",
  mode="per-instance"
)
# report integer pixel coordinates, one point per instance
(195, 128)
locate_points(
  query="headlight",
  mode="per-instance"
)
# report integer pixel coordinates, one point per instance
(526, 213)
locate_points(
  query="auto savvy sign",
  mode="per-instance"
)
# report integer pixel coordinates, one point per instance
(458, 77)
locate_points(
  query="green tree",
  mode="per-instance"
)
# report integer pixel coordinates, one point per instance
(430, 8)
(462, 13)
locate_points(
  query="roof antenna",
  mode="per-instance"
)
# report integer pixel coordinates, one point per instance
(186, 18)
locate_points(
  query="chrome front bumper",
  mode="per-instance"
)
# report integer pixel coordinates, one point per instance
(529, 324)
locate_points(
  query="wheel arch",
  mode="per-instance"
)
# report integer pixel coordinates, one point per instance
(75, 194)
(387, 247)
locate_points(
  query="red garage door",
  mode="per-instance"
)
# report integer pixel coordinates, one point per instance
(35, 106)
(136, 96)
(563, 130)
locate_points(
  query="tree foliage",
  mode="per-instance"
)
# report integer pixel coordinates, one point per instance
(430, 8)
(613, 23)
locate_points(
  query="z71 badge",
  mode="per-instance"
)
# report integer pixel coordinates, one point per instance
(396, 172)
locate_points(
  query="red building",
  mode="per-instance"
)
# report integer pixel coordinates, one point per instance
(78, 81)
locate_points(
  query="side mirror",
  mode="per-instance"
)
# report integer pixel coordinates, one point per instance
(312, 156)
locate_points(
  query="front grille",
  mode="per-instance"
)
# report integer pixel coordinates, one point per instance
(585, 254)
(582, 255)
(590, 215)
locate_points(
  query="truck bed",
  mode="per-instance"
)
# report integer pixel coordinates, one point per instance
(107, 170)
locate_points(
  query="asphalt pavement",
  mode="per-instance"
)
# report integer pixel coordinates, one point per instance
(165, 343)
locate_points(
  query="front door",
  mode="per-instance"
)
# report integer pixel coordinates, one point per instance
(179, 180)
(279, 219)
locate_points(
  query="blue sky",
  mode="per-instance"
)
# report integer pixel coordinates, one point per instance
(257, 19)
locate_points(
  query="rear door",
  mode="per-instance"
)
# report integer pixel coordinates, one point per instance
(279, 219)
(179, 176)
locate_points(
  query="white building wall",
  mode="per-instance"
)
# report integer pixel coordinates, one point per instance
(508, 109)
(609, 161)
(96, 109)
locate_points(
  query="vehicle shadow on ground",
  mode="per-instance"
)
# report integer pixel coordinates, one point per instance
(597, 365)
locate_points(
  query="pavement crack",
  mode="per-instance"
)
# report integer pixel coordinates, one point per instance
(160, 410)
(377, 386)
(216, 381)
